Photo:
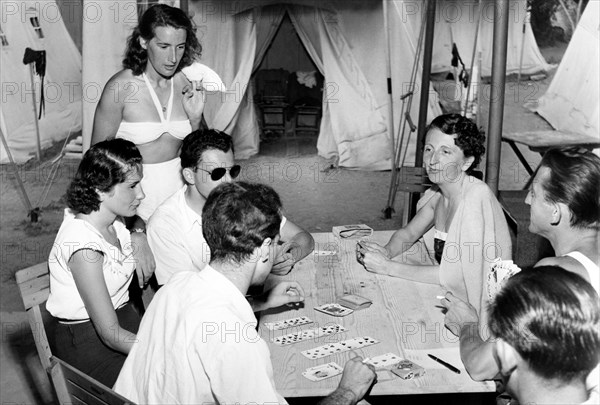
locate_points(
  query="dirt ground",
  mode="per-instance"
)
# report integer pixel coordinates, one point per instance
(314, 197)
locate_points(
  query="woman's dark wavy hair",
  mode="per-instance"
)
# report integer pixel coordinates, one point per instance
(237, 218)
(201, 140)
(574, 180)
(468, 138)
(160, 15)
(104, 165)
(552, 318)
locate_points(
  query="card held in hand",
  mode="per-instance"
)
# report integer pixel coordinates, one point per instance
(354, 302)
(334, 309)
(323, 371)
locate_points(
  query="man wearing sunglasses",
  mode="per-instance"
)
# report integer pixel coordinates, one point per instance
(175, 228)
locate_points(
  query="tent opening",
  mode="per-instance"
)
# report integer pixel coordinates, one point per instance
(288, 90)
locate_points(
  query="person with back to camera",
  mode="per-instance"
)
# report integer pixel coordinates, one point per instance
(175, 228)
(198, 341)
(152, 104)
(91, 264)
(564, 202)
(546, 327)
(459, 228)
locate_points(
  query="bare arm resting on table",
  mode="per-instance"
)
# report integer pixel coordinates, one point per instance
(476, 354)
(86, 267)
(378, 259)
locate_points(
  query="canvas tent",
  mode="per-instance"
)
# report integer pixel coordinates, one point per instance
(345, 40)
(39, 26)
(571, 102)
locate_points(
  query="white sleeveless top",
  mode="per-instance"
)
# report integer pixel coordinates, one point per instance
(591, 267)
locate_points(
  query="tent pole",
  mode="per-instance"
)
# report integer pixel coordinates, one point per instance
(425, 78)
(184, 6)
(35, 114)
(492, 167)
(388, 66)
(424, 101)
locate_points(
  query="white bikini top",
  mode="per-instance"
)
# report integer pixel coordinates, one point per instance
(145, 132)
(591, 267)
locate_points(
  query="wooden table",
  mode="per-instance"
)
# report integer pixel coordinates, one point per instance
(404, 315)
(540, 141)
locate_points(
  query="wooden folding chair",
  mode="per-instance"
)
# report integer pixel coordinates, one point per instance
(34, 286)
(74, 387)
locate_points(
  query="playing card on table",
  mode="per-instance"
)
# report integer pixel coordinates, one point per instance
(384, 360)
(344, 346)
(288, 323)
(308, 334)
(323, 371)
(334, 309)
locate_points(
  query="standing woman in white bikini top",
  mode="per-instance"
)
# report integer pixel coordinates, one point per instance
(152, 104)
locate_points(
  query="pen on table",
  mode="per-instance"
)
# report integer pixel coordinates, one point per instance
(443, 363)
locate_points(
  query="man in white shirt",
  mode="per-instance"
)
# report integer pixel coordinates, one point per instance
(175, 228)
(197, 343)
(546, 324)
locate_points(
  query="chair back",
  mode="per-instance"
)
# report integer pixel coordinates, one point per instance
(74, 387)
(34, 286)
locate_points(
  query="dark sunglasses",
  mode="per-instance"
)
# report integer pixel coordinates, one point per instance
(219, 172)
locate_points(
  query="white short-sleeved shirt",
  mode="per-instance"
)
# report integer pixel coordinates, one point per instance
(175, 237)
(118, 265)
(198, 344)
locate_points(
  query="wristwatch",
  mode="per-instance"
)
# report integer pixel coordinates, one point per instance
(138, 230)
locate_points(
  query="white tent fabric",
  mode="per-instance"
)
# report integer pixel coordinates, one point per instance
(106, 26)
(346, 41)
(353, 126)
(572, 102)
(62, 84)
(456, 22)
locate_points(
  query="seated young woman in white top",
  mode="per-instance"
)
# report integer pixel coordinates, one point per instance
(91, 262)
(565, 209)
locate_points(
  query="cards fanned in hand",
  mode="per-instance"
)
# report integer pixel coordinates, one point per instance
(334, 309)
(354, 302)
(200, 72)
(339, 347)
(352, 231)
(323, 371)
(288, 323)
(308, 334)
(500, 272)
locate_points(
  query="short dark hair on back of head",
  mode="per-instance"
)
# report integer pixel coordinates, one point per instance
(160, 15)
(103, 166)
(552, 318)
(237, 218)
(202, 140)
(574, 181)
(468, 138)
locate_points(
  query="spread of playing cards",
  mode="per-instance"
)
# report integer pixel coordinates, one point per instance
(288, 323)
(308, 334)
(339, 347)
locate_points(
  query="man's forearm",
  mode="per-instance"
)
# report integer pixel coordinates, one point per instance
(341, 396)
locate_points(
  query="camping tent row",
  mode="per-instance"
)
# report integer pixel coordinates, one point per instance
(345, 39)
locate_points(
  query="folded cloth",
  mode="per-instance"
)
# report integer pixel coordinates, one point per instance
(210, 79)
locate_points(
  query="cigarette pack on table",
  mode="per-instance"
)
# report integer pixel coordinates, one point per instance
(352, 231)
